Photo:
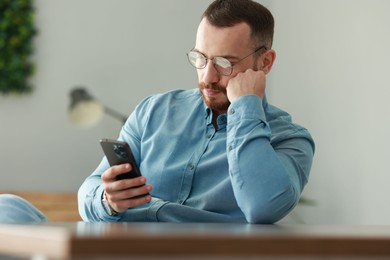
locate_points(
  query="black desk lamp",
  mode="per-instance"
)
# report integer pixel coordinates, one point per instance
(86, 111)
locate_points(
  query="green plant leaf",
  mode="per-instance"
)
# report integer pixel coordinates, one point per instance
(17, 32)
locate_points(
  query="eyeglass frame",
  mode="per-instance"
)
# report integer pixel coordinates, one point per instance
(213, 58)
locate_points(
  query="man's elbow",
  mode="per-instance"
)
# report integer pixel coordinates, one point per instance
(273, 209)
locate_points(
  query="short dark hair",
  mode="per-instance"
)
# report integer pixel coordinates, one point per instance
(227, 13)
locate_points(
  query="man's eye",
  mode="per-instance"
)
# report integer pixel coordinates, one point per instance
(224, 63)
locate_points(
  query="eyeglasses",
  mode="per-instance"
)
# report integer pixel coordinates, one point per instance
(221, 64)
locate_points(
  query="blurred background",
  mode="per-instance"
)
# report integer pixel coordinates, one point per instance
(331, 74)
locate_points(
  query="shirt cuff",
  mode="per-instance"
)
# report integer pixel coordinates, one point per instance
(246, 107)
(100, 209)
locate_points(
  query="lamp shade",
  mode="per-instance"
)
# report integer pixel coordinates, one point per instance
(85, 111)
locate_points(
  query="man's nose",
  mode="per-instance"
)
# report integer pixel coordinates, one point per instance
(210, 73)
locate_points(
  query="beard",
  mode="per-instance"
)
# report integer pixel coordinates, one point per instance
(219, 106)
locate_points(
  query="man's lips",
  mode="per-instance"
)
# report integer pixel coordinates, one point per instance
(211, 92)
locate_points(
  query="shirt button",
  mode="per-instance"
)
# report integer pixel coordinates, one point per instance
(191, 166)
(230, 148)
(232, 111)
(180, 201)
(209, 136)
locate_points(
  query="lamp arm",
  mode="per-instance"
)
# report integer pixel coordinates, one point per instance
(115, 114)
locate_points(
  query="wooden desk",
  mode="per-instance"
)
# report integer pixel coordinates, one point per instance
(78, 240)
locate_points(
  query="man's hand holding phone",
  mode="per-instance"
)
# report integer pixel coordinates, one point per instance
(124, 186)
(122, 194)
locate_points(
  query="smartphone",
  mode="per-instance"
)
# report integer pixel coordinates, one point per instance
(118, 152)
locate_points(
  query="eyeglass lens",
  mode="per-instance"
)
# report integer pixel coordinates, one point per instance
(199, 61)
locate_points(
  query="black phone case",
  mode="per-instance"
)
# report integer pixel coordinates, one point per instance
(118, 152)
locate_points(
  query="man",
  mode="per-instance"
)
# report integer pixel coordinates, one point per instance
(219, 153)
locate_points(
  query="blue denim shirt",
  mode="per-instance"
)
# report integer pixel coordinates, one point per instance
(251, 169)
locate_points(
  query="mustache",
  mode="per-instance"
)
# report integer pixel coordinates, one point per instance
(214, 87)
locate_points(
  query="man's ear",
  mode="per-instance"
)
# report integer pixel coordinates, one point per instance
(267, 61)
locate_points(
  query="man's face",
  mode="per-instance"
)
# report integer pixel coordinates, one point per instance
(232, 43)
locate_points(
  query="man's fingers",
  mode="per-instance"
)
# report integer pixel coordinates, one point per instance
(129, 193)
(111, 173)
(125, 193)
(123, 205)
(124, 184)
(122, 200)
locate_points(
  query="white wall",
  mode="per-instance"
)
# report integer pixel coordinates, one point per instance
(331, 74)
(121, 51)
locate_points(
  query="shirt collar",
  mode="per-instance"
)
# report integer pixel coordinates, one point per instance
(207, 114)
(221, 120)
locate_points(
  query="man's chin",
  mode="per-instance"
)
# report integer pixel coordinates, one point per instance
(218, 106)
(215, 99)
